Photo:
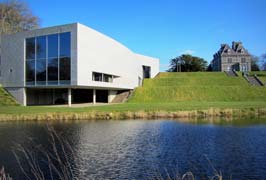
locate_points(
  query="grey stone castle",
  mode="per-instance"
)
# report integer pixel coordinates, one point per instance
(232, 58)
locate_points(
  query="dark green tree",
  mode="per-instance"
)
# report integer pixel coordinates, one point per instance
(209, 68)
(187, 63)
(16, 16)
(254, 63)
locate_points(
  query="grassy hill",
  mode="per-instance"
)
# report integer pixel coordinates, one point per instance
(196, 86)
(261, 75)
(6, 99)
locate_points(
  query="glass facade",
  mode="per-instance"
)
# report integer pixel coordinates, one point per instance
(48, 59)
(30, 72)
(41, 47)
(41, 71)
(30, 48)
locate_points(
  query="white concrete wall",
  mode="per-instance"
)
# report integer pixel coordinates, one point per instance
(13, 54)
(99, 53)
(111, 95)
(149, 61)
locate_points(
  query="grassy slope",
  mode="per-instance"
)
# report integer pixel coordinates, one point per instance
(6, 99)
(175, 92)
(200, 86)
(261, 75)
(135, 107)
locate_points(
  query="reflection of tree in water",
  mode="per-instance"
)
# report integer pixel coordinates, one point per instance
(30, 66)
(65, 68)
(41, 47)
(53, 69)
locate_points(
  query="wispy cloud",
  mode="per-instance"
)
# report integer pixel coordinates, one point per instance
(164, 67)
(188, 51)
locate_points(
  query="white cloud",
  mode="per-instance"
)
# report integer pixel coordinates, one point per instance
(188, 51)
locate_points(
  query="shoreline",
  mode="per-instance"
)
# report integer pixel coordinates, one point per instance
(228, 113)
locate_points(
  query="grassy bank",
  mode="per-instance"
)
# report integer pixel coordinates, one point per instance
(169, 95)
(137, 111)
(261, 75)
(6, 99)
(198, 86)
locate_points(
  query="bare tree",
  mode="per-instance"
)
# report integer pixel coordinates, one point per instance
(16, 16)
(263, 62)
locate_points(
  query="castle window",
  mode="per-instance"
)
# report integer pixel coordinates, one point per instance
(229, 60)
(243, 60)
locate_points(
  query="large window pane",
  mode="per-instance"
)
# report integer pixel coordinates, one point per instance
(53, 45)
(30, 72)
(30, 48)
(65, 44)
(41, 47)
(53, 71)
(64, 69)
(41, 72)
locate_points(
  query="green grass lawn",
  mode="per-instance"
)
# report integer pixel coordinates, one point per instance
(6, 99)
(263, 79)
(174, 92)
(134, 107)
(198, 86)
(261, 75)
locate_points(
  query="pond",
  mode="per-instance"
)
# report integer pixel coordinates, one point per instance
(139, 149)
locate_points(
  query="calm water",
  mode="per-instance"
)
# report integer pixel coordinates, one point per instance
(135, 149)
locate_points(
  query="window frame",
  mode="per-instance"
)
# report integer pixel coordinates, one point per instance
(54, 48)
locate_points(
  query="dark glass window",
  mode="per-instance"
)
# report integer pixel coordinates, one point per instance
(229, 60)
(43, 53)
(53, 70)
(65, 44)
(97, 76)
(146, 71)
(102, 77)
(64, 68)
(53, 45)
(41, 47)
(41, 71)
(107, 78)
(30, 48)
(30, 72)
(243, 60)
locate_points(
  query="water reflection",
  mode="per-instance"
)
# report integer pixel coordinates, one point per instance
(135, 149)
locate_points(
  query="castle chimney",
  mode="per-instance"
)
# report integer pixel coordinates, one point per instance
(236, 44)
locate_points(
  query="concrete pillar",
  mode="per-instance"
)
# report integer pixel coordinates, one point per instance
(24, 97)
(94, 96)
(69, 97)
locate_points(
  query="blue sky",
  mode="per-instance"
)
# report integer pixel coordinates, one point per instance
(165, 28)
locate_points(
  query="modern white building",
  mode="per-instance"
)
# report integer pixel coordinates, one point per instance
(69, 64)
